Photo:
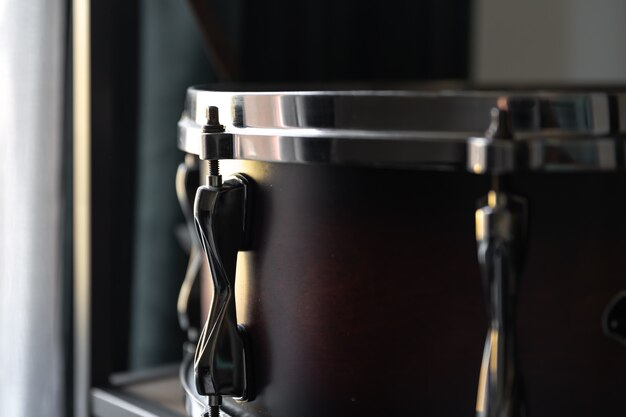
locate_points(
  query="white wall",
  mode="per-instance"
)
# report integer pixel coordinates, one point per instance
(564, 41)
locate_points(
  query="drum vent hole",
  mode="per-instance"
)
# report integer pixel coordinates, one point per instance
(614, 318)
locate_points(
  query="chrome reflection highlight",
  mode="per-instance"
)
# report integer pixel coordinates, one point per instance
(562, 131)
(221, 362)
(500, 236)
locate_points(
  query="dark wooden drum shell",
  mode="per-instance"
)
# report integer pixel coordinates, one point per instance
(362, 294)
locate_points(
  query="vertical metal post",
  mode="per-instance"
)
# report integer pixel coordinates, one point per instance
(81, 41)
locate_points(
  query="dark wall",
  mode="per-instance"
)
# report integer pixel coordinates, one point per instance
(113, 152)
(349, 40)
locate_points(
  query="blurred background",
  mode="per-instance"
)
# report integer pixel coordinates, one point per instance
(90, 93)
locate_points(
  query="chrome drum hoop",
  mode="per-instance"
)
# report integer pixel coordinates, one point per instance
(444, 130)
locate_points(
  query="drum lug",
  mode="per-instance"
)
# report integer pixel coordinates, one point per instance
(222, 363)
(500, 235)
(188, 305)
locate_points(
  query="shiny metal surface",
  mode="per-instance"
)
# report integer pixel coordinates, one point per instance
(32, 56)
(221, 362)
(188, 305)
(195, 405)
(430, 130)
(500, 229)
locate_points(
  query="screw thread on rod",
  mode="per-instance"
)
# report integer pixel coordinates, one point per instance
(214, 411)
(212, 115)
(214, 167)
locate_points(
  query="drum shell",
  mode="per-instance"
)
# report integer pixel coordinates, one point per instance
(361, 292)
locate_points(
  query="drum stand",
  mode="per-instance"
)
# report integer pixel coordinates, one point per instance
(500, 237)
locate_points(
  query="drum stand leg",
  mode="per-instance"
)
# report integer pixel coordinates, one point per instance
(500, 235)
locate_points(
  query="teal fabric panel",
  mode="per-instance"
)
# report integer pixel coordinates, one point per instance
(172, 59)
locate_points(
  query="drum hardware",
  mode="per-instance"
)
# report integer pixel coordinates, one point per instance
(291, 132)
(188, 305)
(495, 152)
(555, 131)
(193, 405)
(614, 318)
(221, 363)
(215, 144)
(500, 236)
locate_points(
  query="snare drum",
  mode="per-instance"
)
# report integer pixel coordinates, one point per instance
(409, 253)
